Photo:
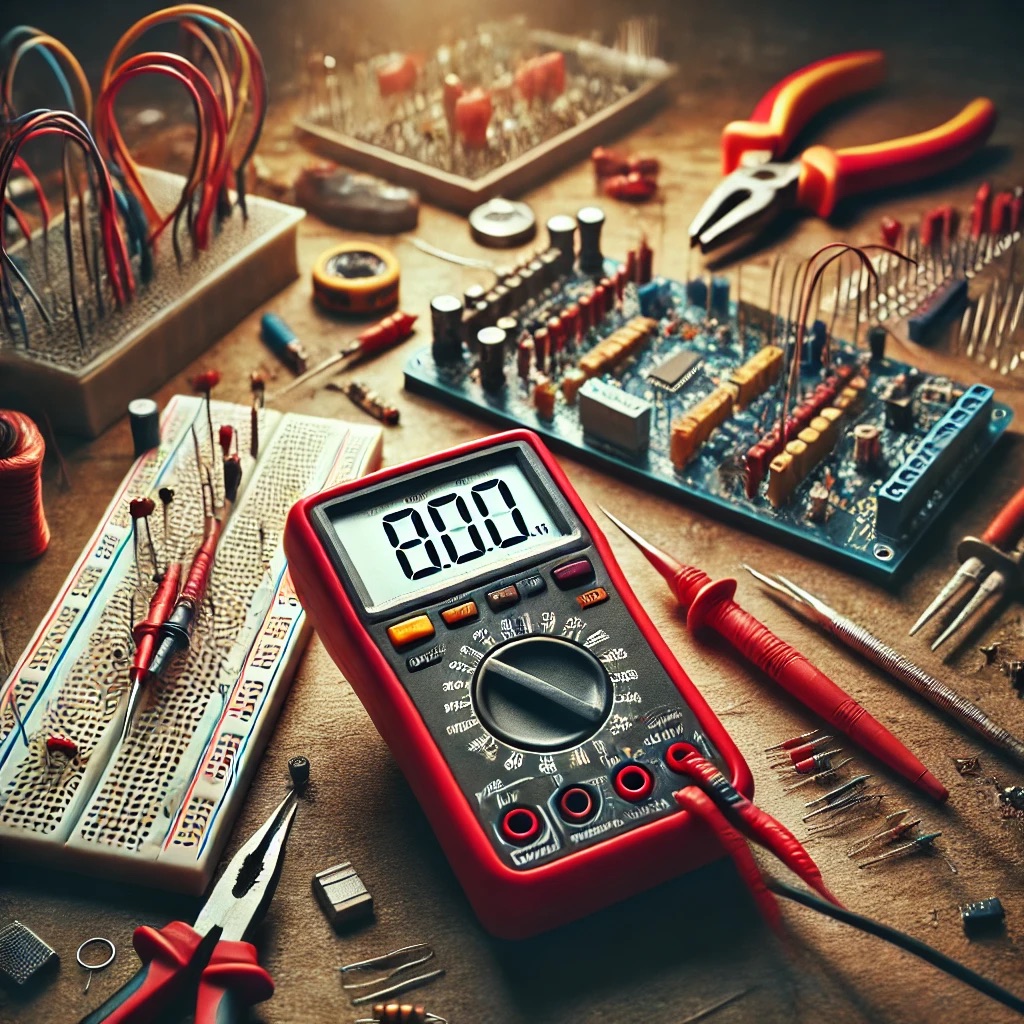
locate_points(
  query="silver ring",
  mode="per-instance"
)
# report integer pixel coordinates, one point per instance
(96, 967)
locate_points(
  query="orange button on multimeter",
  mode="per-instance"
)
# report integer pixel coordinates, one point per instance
(534, 697)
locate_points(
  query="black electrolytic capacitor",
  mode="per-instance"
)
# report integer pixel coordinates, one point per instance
(876, 342)
(591, 220)
(144, 418)
(562, 236)
(446, 322)
(491, 349)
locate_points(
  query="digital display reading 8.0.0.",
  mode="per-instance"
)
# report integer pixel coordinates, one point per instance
(424, 540)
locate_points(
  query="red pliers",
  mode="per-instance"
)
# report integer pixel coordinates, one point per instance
(759, 185)
(210, 954)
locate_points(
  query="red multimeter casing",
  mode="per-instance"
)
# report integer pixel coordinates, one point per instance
(528, 698)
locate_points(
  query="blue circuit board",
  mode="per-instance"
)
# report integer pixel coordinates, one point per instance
(933, 436)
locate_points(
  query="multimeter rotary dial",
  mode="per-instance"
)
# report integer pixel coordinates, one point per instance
(542, 693)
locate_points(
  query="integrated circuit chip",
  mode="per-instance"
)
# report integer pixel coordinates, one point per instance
(676, 372)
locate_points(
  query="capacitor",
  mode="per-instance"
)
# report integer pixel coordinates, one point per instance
(542, 346)
(562, 236)
(144, 417)
(697, 292)
(510, 325)
(298, 770)
(591, 221)
(586, 305)
(867, 445)
(720, 298)
(557, 331)
(607, 290)
(530, 283)
(817, 502)
(446, 323)
(644, 262)
(535, 282)
(551, 264)
(876, 342)
(473, 112)
(524, 357)
(571, 320)
(544, 393)
(491, 348)
(473, 294)
(516, 291)
(629, 267)
(501, 298)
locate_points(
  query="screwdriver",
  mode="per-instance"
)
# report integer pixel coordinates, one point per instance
(857, 638)
(988, 561)
(709, 603)
(389, 331)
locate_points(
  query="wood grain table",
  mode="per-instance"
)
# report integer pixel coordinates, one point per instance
(668, 953)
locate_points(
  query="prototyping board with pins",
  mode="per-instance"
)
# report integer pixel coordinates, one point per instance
(85, 385)
(158, 808)
(690, 354)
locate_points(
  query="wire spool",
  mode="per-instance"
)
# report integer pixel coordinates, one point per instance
(356, 278)
(24, 534)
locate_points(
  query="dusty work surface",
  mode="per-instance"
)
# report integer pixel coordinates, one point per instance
(669, 953)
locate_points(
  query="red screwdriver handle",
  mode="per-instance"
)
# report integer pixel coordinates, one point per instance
(165, 956)
(827, 175)
(784, 110)
(232, 982)
(715, 608)
(1005, 530)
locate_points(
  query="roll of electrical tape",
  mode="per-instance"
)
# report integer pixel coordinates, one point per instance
(356, 278)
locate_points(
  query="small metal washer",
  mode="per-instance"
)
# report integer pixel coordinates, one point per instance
(502, 223)
(96, 967)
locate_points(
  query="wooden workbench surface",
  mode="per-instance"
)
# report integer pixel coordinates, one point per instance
(666, 954)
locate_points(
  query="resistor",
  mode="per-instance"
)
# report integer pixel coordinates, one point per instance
(867, 445)
(524, 357)
(368, 400)
(401, 1013)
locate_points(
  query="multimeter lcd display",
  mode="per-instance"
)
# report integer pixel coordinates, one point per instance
(425, 540)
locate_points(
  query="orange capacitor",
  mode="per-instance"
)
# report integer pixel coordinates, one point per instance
(472, 117)
(543, 77)
(544, 394)
(397, 76)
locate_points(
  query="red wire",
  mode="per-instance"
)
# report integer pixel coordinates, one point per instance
(703, 807)
(24, 533)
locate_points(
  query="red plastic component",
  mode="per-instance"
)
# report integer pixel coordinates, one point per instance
(397, 76)
(785, 110)
(633, 187)
(576, 804)
(520, 824)
(472, 116)
(607, 162)
(61, 745)
(509, 903)
(542, 77)
(892, 230)
(453, 91)
(225, 435)
(141, 508)
(1006, 529)
(644, 262)
(979, 210)
(633, 782)
(387, 332)
(206, 381)
(145, 633)
(827, 175)
(1000, 218)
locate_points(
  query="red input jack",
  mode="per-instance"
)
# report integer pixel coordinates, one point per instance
(675, 756)
(633, 782)
(520, 825)
(577, 805)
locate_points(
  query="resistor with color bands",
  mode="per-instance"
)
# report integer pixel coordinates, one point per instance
(24, 533)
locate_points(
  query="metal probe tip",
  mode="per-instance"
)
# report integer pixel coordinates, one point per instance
(661, 560)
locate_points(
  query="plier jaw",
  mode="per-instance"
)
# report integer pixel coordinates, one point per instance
(744, 202)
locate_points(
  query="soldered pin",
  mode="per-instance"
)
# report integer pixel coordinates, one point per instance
(796, 740)
(824, 774)
(884, 837)
(800, 753)
(840, 791)
(920, 843)
(845, 805)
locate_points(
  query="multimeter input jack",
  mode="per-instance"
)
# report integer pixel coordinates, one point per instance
(576, 805)
(633, 782)
(520, 825)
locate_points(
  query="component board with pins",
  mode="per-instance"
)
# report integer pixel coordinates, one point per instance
(157, 806)
(681, 388)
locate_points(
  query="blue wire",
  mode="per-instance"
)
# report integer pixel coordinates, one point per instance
(58, 71)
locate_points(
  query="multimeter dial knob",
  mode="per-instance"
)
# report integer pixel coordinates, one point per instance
(542, 693)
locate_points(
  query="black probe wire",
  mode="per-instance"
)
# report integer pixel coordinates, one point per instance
(907, 942)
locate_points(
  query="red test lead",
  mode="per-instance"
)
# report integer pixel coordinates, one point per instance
(709, 603)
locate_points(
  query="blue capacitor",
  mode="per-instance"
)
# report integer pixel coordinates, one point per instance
(814, 344)
(720, 297)
(655, 298)
(697, 292)
(282, 341)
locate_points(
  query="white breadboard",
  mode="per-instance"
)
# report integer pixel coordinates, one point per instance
(158, 808)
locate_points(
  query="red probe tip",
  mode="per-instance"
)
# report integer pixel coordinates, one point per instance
(661, 560)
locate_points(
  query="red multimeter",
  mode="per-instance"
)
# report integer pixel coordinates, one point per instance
(481, 618)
